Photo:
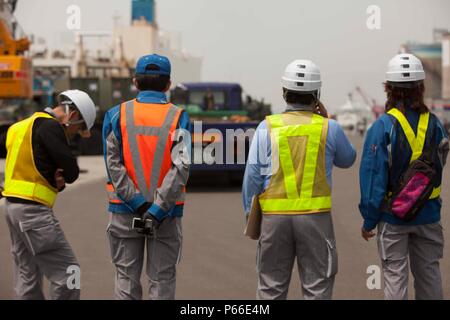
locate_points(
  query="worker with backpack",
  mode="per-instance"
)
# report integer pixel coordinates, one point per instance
(400, 180)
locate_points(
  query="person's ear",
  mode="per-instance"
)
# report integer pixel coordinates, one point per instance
(169, 84)
(74, 115)
(135, 83)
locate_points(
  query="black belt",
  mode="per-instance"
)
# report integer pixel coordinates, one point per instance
(20, 200)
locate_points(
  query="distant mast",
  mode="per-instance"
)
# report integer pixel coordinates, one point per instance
(143, 10)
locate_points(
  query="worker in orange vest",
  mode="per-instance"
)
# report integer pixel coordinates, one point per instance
(146, 149)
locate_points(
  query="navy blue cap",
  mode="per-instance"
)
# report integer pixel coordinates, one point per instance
(162, 65)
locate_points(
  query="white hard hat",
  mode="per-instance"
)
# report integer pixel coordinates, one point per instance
(302, 75)
(84, 104)
(405, 68)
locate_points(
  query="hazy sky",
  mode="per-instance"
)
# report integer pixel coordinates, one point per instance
(251, 41)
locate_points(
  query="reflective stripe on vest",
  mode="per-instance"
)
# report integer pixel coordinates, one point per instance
(112, 195)
(22, 179)
(416, 142)
(296, 189)
(113, 198)
(147, 131)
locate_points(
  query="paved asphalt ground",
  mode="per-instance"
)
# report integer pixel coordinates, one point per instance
(217, 262)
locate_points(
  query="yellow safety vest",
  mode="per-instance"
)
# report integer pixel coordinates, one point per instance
(299, 186)
(416, 142)
(22, 179)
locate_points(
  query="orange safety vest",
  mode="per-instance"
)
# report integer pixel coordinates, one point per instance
(147, 131)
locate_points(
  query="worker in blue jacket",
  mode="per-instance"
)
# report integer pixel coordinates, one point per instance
(392, 143)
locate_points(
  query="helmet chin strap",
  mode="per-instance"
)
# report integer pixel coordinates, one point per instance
(285, 94)
(67, 112)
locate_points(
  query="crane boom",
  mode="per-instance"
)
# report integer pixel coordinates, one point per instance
(8, 44)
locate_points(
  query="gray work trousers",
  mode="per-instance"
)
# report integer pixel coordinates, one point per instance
(424, 246)
(40, 248)
(128, 251)
(310, 239)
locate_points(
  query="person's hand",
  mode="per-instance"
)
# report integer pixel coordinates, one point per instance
(321, 110)
(367, 234)
(155, 222)
(143, 208)
(59, 179)
(84, 134)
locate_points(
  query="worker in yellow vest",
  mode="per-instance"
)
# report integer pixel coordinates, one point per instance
(39, 162)
(289, 171)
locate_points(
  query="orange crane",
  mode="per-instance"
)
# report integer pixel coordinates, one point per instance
(16, 79)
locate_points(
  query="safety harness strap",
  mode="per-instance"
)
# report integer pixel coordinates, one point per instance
(416, 142)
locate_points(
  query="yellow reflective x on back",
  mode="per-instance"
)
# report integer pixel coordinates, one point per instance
(416, 142)
(296, 201)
